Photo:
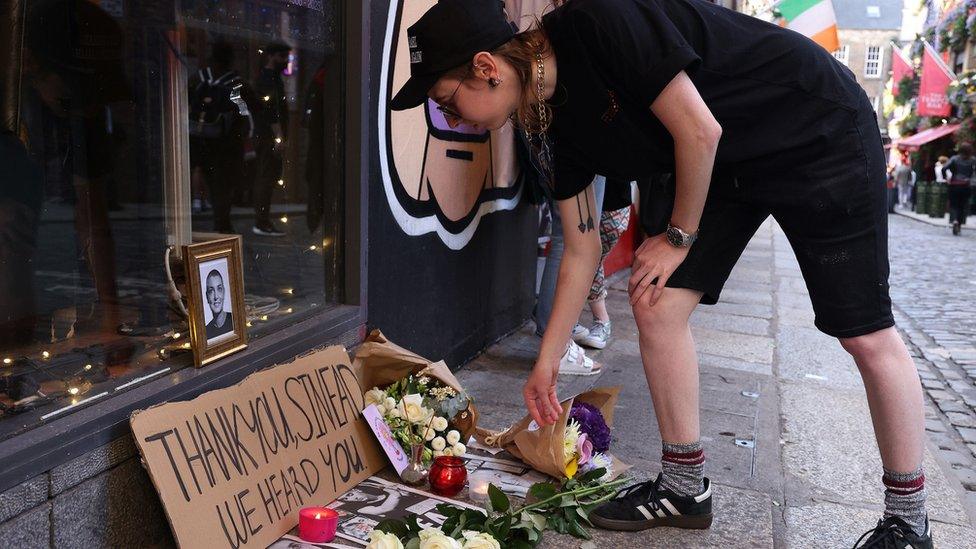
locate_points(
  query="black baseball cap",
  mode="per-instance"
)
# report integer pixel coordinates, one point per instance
(446, 37)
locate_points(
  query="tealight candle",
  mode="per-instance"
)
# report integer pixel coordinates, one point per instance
(478, 482)
(317, 524)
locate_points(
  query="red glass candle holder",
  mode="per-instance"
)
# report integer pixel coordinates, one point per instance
(317, 524)
(447, 476)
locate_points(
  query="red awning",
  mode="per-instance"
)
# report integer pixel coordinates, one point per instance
(913, 142)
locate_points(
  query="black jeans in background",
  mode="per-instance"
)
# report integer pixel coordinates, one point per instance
(268, 166)
(958, 203)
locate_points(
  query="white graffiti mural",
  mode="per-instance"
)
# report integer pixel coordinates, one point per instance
(437, 179)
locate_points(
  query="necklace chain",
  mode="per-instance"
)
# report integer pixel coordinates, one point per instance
(541, 91)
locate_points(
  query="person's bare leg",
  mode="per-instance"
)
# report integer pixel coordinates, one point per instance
(894, 396)
(599, 309)
(670, 362)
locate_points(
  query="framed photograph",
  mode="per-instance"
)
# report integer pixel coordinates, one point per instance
(215, 294)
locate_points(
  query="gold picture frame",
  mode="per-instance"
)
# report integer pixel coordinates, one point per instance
(210, 337)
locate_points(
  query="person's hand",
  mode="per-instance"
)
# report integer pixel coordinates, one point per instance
(654, 262)
(540, 394)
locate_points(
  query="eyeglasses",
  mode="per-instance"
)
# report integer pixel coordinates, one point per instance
(450, 115)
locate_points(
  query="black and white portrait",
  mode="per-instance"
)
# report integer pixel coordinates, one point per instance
(217, 309)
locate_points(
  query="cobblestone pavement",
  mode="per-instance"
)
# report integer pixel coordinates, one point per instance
(933, 286)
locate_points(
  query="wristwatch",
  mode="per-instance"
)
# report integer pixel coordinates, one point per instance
(679, 238)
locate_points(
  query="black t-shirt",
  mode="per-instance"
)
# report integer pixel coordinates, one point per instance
(771, 89)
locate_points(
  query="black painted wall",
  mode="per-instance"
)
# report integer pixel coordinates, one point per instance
(441, 303)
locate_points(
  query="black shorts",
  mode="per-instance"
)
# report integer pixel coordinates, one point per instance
(830, 200)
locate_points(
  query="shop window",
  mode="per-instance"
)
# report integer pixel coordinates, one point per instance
(843, 54)
(872, 62)
(146, 126)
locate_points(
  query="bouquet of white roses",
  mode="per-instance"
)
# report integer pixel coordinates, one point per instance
(417, 408)
(420, 400)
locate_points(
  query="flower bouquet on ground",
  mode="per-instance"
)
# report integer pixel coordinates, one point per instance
(579, 442)
(419, 400)
(564, 508)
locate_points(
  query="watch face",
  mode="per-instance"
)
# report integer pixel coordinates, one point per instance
(674, 237)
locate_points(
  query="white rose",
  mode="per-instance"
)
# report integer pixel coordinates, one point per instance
(448, 452)
(412, 409)
(438, 443)
(453, 437)
(459, 449)
(439, 423)
(429, 434)
(394, 413)
(375, 396)
(479, 540)
(381, 540)
(431, 538)
(389, 404)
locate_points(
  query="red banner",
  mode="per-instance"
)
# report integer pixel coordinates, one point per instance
(900, 68)
(932, 90)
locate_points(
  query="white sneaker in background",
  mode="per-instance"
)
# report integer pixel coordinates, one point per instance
(598, 335)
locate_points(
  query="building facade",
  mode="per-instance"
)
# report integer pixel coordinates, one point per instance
(866, 30)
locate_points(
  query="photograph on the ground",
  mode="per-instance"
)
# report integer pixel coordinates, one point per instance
(375, 500)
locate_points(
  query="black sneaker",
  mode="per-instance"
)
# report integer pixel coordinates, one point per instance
(894, 533)
(647, 505)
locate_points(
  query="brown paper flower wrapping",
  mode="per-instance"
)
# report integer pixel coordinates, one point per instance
(378, 362)
(542, 447)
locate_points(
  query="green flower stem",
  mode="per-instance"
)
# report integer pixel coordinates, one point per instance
(579, 492)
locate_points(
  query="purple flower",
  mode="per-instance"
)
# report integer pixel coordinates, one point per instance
(592, 423)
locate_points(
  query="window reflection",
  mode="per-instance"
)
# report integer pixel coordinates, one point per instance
(92, 184)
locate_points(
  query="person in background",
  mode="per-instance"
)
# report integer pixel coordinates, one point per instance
(939, 165)
(614, 220)
(905, 179)
(270, 133)
(962, 168)
(217, 130)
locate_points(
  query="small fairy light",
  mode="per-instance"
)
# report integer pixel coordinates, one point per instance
(267, 98)
(281, 182)
(289, 310)
(163, 353)
(277, 140)
(313, 247)
(177, 335)
(88, 366)
(289, 291)
(46, 354)
(74, 401)
(248, 323)
(264, 318)
(284, 219)
(8, 360)
(73, 390)
(186, 345)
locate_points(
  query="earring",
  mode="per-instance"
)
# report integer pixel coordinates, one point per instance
(494, 82)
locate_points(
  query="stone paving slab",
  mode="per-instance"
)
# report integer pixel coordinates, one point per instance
(830, 446)
(832, 525)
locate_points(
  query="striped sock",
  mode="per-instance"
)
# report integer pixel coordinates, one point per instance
(905, 498)
(683, 468)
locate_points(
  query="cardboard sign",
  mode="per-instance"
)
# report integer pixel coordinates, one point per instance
(234, 466)
(383, 434)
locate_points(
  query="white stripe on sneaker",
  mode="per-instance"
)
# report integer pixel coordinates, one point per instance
(643, 510)
(661, 513)
(667, 505)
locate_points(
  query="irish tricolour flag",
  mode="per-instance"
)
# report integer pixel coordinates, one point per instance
(814, 19)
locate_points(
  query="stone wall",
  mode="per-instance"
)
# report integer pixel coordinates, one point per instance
(103, 498)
